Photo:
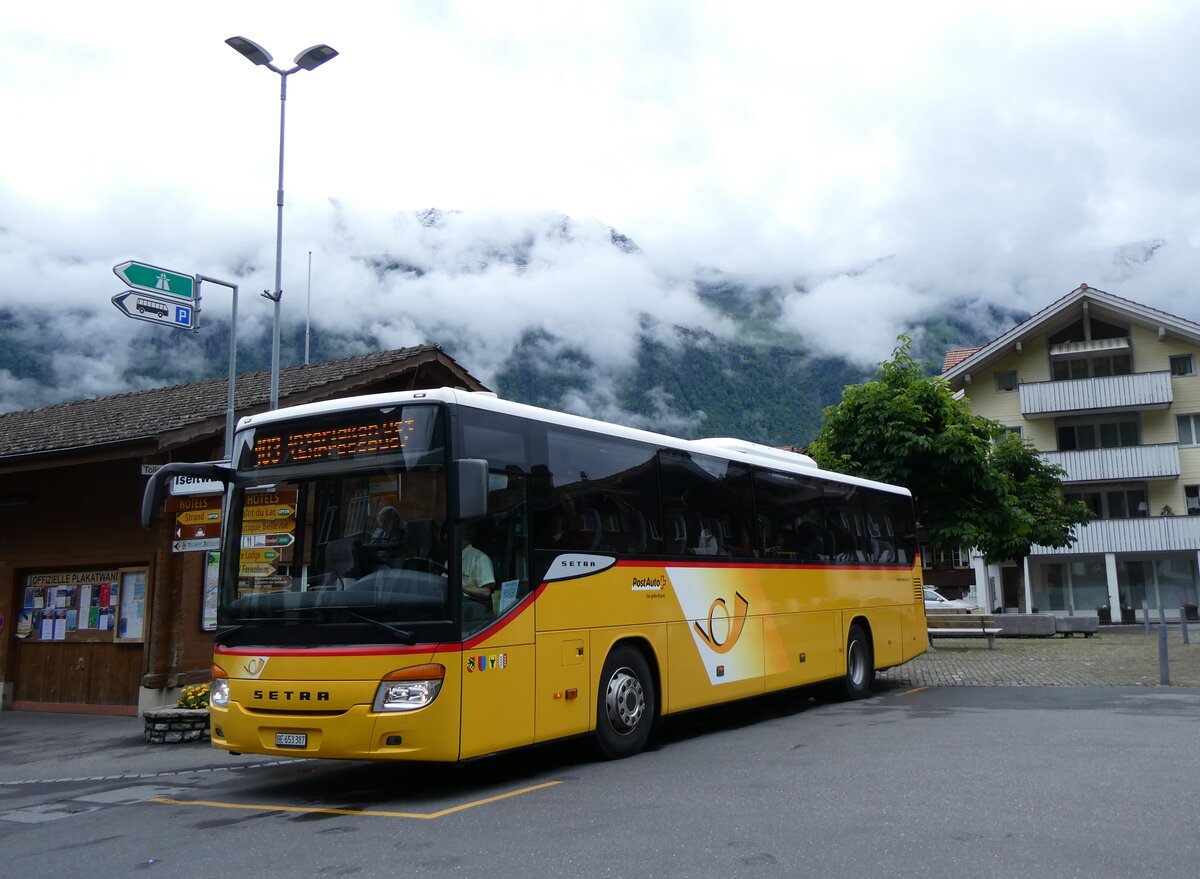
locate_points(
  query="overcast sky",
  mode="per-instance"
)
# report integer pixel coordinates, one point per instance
(885, 157)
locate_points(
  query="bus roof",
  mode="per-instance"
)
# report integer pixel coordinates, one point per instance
(730, 448)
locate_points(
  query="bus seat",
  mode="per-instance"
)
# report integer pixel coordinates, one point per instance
(711, 538)
(343, 558)
(843, 548)
(635, 526)
(676, 534)
(585, 529)
(418, 539)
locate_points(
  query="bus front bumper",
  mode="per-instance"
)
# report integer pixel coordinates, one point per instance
(355, 734)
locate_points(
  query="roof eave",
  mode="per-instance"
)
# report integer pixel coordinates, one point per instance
(1035, 325)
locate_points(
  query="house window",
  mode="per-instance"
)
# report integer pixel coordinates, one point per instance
(1189, 429)
(1005, 430)
(1066, 370)
(1109, 433)
(1100, 366)
(1128, 502)
(1006, 381)
(1117, 364)
(957, 558)
(1183, 364)
(1191, 499)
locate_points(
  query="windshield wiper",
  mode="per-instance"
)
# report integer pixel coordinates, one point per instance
(220, 635)
(404, 636)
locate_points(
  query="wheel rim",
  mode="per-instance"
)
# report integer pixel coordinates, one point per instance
(856, 663)
(624, 701)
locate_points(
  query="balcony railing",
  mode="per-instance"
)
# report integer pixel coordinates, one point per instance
(1118, 465)
(1151, 534)
(1143, 390)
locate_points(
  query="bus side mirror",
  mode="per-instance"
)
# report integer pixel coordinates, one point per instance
(156, 488)
(471, 477)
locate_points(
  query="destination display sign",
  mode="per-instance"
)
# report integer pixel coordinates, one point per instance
(350, 437)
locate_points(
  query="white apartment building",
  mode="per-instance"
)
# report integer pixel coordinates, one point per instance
(1107, 389)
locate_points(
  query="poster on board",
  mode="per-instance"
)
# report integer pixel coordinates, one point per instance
(131, 613)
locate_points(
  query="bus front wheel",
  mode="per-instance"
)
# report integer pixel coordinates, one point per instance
(860, 664)
(625, 708)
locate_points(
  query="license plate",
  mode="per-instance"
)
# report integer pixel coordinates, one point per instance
(291, 740)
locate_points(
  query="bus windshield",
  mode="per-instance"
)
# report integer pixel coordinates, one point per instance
(352, 551)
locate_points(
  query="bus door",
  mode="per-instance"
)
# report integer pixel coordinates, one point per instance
(498, 630)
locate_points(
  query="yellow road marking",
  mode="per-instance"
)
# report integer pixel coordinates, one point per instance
(376, 813)
(910, 692)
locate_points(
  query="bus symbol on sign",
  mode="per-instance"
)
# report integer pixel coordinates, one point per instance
(165, 310)
(152, 306)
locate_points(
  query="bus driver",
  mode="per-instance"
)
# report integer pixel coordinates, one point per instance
(478, 578)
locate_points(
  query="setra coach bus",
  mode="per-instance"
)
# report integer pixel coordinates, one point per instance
(442, 574)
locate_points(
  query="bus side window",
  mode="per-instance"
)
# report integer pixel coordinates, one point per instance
(790, 519)
(595, 494)
(708, 505)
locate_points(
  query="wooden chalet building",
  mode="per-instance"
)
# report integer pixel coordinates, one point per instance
(98, 614)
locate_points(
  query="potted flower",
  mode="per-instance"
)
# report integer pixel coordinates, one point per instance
(1190, 611)
(1105, 613)
(195, 696)
(186, 721)
(1127, 612)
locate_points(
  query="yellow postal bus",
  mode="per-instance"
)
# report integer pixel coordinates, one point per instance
(440, 575)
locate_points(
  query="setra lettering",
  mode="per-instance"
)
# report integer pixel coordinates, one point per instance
(292, 695)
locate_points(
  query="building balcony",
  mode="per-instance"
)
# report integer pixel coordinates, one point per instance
(1127, 464)
(1144, 535)
(1085, 396)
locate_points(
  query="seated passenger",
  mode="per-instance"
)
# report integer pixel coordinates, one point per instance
(478, 577)
(389, 527)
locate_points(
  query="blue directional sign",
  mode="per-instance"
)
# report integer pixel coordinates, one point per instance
(141, 305)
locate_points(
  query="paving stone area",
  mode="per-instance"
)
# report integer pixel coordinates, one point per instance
(1109, 658)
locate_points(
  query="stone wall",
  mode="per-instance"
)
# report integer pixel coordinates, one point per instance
(166, 726)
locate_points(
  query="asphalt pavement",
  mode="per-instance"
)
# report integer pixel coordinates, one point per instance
(47, 746)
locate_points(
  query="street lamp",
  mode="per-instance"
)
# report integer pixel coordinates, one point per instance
(310, 59)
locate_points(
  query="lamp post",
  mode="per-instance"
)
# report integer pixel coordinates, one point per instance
(310, 59)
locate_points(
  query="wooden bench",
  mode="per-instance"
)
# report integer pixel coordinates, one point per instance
(963, 625)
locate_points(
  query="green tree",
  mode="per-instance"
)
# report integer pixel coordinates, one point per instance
(972, 484)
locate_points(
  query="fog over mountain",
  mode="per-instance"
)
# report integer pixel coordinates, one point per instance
(701, 217)
(542, 307)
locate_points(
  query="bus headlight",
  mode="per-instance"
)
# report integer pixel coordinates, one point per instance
(409, 688)
(218, 693)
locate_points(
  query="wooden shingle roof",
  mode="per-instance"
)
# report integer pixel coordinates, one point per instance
(166, 417)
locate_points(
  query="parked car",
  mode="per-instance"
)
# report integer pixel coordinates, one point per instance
(936, 603)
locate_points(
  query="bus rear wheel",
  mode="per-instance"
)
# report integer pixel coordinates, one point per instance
(626, 705)
(860, 664)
